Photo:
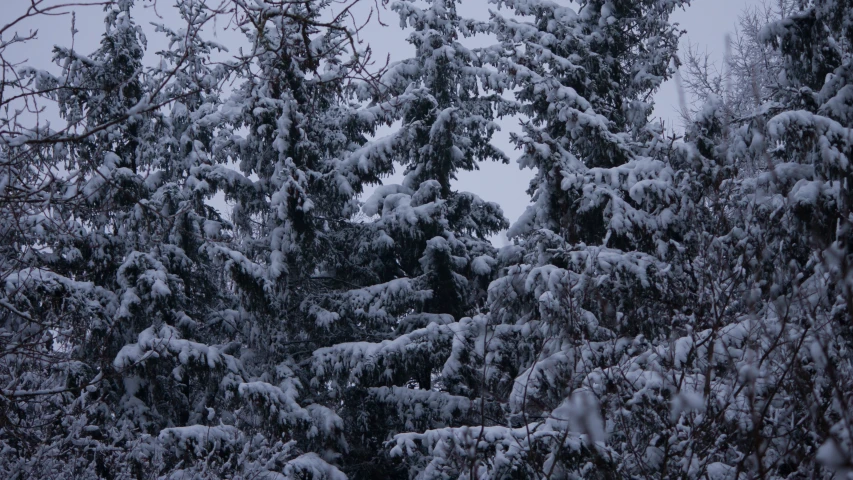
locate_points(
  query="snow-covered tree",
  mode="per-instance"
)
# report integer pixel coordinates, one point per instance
(774, 300)
(141, 364)
(76, 250)
(596, 258)
(293, 215)
(788, 235)
(749, 71)
(447, 122)
(425, 243)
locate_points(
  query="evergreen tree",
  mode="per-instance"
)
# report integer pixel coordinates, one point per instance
(98, 253)
(780, 245)
(426, 245)
(766, 343)
(447, 124)
(292, 211)
(592, 266)
(148, 369)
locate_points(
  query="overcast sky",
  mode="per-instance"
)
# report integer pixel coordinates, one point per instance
(706, 22)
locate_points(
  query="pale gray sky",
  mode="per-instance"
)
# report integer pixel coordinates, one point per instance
(706, 22)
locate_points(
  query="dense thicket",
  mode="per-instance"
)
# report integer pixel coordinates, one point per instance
(195, 285)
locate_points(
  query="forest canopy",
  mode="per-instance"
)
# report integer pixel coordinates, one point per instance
(205, 271)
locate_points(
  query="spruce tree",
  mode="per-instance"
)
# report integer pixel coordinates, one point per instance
(781, 246)
(292, 213)
(426, 244)
(146, 333)
(591, 268)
